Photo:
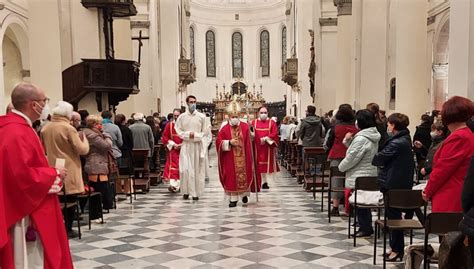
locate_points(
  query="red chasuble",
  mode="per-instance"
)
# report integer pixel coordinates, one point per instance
(172, 158)
(236, 171)
(266, 153)
(25, 179)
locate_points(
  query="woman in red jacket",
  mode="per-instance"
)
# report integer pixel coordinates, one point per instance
(344, 124)
(452, 159)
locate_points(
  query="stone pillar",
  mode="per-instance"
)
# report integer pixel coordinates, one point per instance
(461, 49)
(345, 89)
(412, 96)
(45, 48)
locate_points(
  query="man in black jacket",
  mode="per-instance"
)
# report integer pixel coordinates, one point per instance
(311, 129)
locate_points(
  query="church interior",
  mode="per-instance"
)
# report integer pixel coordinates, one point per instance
(147, 56)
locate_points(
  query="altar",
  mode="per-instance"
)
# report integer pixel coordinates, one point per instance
(248, 101)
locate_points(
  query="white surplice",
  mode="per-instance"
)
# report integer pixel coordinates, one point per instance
(193, 154)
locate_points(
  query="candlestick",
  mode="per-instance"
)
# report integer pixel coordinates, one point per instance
(261, 89)
(217, 90)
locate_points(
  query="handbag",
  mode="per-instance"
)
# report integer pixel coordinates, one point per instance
(112, 163)
(367, 198)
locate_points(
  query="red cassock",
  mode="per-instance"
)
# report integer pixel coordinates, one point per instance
(450, 165)
(172, 158)
(266, 153)
(236, 171)
(25, 179)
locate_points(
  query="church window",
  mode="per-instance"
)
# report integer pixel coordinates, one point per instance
(191, 43)
(265, 53)
(211, 54)
(237, 55)
(283, 45)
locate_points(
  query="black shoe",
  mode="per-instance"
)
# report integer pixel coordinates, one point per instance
(363, 234)
(195, 198)
(185, 196)
(245, 199)
(232, 204)
(398, 257)
(265, 186)
(72, 234)
(335, 211)
(171, 189)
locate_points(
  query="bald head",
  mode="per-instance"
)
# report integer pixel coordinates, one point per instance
(24, 93)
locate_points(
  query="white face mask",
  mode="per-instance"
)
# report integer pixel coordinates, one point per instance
(192, 107)
(44, 112)
(234, 121)
(433, 134)
(263, 116)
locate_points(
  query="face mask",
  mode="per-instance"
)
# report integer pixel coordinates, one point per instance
(234, 121)
(44, 112)
(99, 127)
(433, 134)
(357, 126)
(389, 133)
(191, 107)
(263, 116)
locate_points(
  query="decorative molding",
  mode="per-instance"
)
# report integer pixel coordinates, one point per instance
(441, 8)
(431, 20)
(328, 21)
(440, 71)
(344, 7)
(139, 24)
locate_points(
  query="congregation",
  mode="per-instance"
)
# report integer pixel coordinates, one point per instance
(86, 153)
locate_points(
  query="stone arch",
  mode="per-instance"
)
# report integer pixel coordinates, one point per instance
(440, 63)
(15, 53)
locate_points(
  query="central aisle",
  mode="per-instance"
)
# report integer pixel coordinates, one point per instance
(161, 230)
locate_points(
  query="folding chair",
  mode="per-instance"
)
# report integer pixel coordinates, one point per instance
(363, 184)
(399, 199)
(334, 175)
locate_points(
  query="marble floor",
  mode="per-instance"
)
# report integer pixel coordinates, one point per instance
(285, 229)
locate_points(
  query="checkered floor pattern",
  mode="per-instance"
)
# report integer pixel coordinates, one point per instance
(285, 229)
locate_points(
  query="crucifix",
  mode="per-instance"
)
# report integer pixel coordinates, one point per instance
(140, 44)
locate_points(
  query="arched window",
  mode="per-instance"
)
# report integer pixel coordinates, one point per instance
(265, 53)
(191, 44)
(210, 54)
(237, 55)
(283, 45)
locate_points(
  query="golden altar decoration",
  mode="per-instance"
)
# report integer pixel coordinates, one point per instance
(248, 101)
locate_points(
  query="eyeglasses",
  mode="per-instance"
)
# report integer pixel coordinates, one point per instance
(45, 100)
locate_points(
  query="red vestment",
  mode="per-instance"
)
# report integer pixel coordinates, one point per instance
(25, 179)
(172, 158)
(266, 153)
(236, 171)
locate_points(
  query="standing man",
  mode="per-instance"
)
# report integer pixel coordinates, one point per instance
(173, 143)
(28, 190)
(142, 134)
(235, 157)
(266, 144)
(114, 132)
(195, 131)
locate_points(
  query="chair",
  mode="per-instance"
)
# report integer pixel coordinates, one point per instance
(334, 175)
(142, 169)
(439, 224)
(65, 205)
(363, 184)
(94, 201)
(399, 199)
(314, 179)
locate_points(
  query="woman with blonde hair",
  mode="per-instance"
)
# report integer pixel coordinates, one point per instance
(97, 161)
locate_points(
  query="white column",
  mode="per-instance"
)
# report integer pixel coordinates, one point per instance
(345, 91)
(45, 47)
(461, 49)
(412, 96)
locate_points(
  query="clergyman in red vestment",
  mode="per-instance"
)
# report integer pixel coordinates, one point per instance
(172, 142)
(266, 143)
(28, 190)
(236, 172)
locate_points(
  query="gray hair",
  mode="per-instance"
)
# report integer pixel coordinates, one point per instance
(63, 109)
(138, 116)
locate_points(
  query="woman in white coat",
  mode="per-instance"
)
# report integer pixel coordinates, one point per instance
(358, 161)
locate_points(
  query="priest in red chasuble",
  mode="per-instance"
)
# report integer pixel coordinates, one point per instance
(32, 232)
(266, 143)
(172, 142)
(234, 152)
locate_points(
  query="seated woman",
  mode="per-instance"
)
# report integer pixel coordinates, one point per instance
(397, 166)
(358, 162)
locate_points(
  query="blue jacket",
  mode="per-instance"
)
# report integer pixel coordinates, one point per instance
(396, 162)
